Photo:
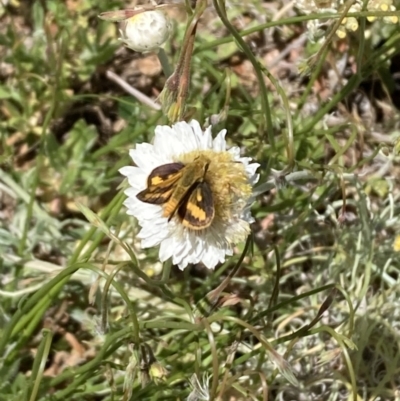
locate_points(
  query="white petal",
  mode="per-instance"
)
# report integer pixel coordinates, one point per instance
(164, 130)
(206, 140)
(131, 192)
(235, 152)
(251, 168)
(167, 145)
(145, 157)
(182, 265)
(128, 170)
(182, 130)
(153, 234)
(182, 140)
(166, 249)
(150, 242)
(245, 160)
(213, 257)
(254, 179)
(143, 211)
(136, 178)
(219, 143)
(196, 129)
(180, 251)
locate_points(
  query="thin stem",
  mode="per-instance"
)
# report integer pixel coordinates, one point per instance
(296, 176)
(295, 20)
(132, 91)
(219, 7)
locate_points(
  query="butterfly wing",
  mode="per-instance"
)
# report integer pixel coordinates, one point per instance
(160, 183)
(197, 210)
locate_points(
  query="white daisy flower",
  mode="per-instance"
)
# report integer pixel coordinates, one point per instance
(146, 31)
(228, 177)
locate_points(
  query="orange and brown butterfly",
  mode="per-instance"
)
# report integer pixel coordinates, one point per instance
(183, 191)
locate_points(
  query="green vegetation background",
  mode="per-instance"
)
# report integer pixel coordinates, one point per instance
(314, 311)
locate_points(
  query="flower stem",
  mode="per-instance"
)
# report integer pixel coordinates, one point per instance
(219, 6)
(175, 92)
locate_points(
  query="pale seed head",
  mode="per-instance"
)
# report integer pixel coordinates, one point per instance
(146, 31)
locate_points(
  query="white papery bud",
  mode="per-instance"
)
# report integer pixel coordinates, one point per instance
(146, 32)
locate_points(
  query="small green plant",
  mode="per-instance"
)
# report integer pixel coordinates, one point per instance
(269, 271)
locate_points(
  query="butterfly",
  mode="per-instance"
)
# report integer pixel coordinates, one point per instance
(183, 191)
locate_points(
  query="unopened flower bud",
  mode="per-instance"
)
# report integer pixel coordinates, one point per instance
(173, 99)
(146, 31)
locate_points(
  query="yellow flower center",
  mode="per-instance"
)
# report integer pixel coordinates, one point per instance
(228, 181)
